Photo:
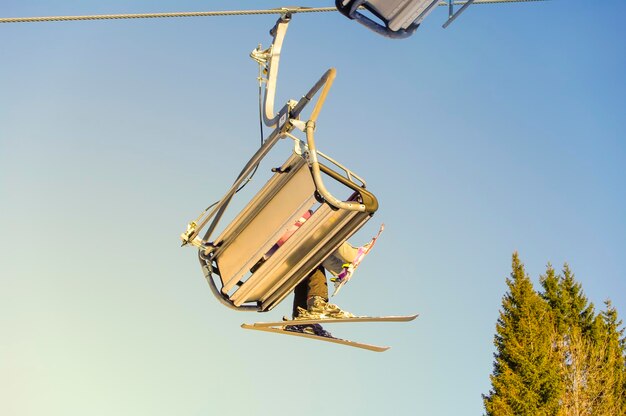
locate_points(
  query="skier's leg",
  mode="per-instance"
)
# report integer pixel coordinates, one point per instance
(317, 285)
(317, 305)
(313, 285)
(347, 253)
(299, 297)
(316, 301)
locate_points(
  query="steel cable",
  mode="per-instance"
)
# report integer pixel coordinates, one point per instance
(283, 10)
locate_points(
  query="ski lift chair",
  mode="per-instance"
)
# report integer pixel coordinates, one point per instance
(400, 18)
(238, 260)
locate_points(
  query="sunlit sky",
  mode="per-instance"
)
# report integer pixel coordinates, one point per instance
(503, 132)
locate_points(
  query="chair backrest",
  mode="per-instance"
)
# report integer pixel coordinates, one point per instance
(261, 223)
(245, 275)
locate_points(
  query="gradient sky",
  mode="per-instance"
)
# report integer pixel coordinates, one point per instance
(504, 132)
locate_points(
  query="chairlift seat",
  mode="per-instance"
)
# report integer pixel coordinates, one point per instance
(237, 257)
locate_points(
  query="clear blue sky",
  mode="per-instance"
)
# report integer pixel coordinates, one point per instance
(504, 132)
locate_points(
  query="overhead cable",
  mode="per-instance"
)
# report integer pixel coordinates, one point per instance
(166, 15)
(283, 10)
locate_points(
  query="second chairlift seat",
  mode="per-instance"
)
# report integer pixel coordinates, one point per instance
(400, 17)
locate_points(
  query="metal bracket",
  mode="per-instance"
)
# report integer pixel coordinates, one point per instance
(268, 60)
(452, 15)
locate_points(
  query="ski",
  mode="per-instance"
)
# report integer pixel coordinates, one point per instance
(280, 330)
(402, 318)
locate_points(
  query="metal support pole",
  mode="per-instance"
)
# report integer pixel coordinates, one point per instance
(457, 14)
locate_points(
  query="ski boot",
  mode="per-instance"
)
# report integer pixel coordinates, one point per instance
(318, 308)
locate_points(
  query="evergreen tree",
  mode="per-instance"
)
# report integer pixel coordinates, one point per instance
(613, 378)
(580, 312)
(555, 355)
(526, 372)
(575, 325)
(552, 293)
(569, 305)
(590, 348)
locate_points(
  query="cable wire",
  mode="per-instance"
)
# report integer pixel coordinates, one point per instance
(282, 10)
(167, 15)
(249, 178)
(262, 137)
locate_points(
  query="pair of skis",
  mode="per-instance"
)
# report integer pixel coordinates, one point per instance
(281, 328)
